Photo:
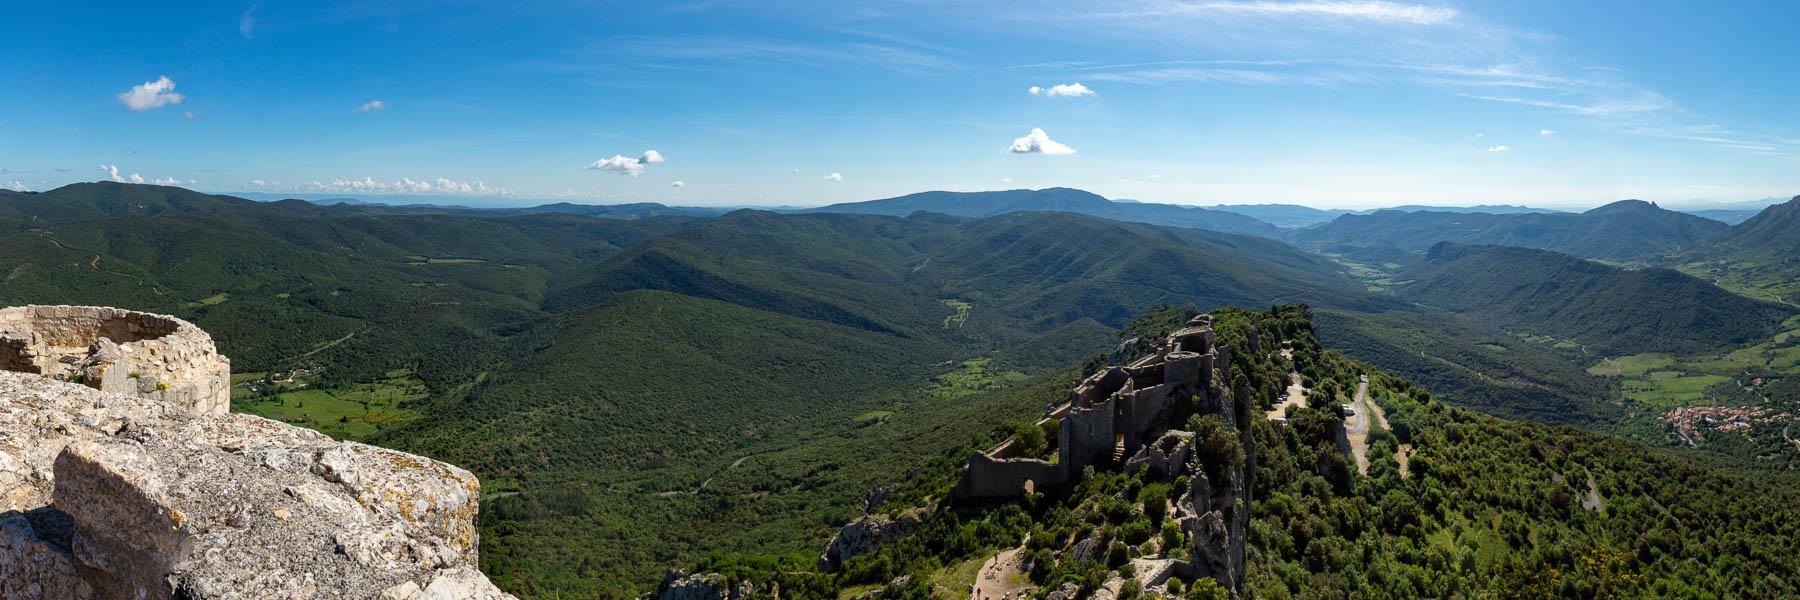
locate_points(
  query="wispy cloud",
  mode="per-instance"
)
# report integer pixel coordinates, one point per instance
(371, 106)
(676, 184)
(1069, 90)
(626, 165)
(247, 23)
(1766, 145)
(151, 94)
(834, 177)
(404, 185)
(17, 186)
(1498, 148)
(1314, 78)
(1038, 142)
(1370, 10)
(1642, 103)
(730, 52)
(1546, 132)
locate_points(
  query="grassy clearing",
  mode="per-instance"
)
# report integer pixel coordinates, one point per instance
(956, 319)
(1633, 366)
(954, 581)
(214, 299)
(1668, 389)
(1375, 278)
(872, 417)
(1493, 347)
(427, 260)
(352, 411)
(971, 376)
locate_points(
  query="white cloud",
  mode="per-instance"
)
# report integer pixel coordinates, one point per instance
(834, 177)
(189, 115)
(1498, 148)
(1005, 180)
(371, 105)
(136, 178)
(112, 172)
(192, 182)
(247, 23)
(167, 181)
(151, 94)
(627, 165)
(1037, 142)
(796, 171)
(1063, 89)
(15, 185)
(405, 185)
(1546, 132)
(676, 184)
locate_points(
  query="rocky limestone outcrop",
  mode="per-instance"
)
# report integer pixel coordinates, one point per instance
(864, 536)
(107, 496)
(678, 585)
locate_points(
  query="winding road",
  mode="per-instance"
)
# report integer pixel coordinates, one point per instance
(1357, 425)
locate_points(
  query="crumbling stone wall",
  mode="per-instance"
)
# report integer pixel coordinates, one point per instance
(1113, 414)
(105, 496)
(987, 477)
(147, 355)
(1121, 418)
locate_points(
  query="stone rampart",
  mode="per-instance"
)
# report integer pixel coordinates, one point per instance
(119, 351)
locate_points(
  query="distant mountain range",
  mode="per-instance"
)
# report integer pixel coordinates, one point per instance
(987, 204)
(1294, 216)
(1623, 229)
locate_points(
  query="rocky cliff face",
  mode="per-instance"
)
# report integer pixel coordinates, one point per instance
(863, 536)
(108, 496)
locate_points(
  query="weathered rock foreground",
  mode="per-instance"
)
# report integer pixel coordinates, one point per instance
(105, 496)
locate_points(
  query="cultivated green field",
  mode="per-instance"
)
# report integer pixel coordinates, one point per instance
(1632, 366)
(1668, 389)
(348, 411)
(971, 376)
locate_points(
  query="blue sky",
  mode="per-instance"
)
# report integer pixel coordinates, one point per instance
(1326, 103)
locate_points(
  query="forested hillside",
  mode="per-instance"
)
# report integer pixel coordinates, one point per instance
(1453, 504)
(604, 370)
(1621, 230)
(756, 372)
(1607, 309)
(1759, 257)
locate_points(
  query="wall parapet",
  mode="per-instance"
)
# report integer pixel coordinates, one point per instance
(159, 357)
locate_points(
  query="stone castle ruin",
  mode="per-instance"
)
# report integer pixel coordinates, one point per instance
(118, 351)
(113, 489)
(1122, 418)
